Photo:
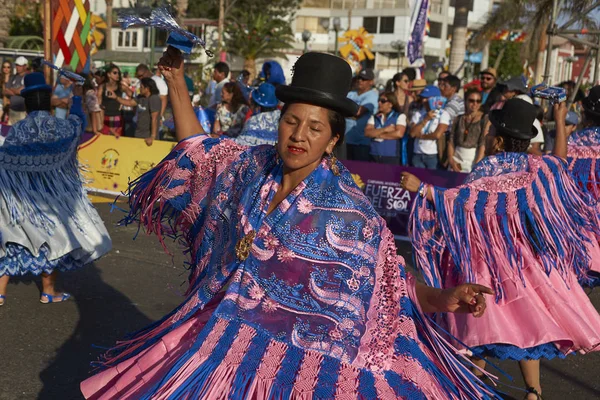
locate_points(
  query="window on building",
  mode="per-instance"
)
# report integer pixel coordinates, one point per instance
(386, 25)
(316, 3)
(347, 4)
(453, 4)
(385, 4)
(435, 29)
(127, 39)
(370, 24)
(311, 24)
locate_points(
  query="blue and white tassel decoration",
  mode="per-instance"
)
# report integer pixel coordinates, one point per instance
(161, 18)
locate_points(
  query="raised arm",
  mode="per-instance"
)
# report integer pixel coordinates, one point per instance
(560, 144)
(186, 122)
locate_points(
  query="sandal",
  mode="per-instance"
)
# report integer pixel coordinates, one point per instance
(531, 390)
(47, 299)
(2, 298)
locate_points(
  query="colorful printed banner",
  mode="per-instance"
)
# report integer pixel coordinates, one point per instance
(112, 163)
(382, 186)
(418, 28)
(71, 21)
(511, 36)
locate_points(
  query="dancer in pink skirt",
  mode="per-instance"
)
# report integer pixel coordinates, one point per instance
(520, 225)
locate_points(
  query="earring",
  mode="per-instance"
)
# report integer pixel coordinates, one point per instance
(333, 165)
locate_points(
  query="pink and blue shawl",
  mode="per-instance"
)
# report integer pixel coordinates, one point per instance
(583, 155)
(321, 308)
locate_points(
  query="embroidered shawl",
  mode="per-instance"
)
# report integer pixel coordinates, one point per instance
(514, 211)
(319, 277)
(583, 155)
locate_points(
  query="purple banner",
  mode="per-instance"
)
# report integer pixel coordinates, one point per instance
(418, 24)
(381, 184)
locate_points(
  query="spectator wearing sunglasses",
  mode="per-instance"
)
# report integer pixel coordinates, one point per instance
(466, 142)
(490, 94)
(385, 129)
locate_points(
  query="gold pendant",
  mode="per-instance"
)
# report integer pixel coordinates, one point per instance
(244, 245)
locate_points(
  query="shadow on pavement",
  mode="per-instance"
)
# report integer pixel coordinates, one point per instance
(105, 316)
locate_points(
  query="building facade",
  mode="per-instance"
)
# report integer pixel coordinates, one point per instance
(388, 21)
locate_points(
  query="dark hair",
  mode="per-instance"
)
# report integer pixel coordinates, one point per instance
(238, 97)
(398, 76)
(150, 84)
(513, 145)
(411, 73)
(38, 101)
(391, 97)
(471, 91)
(591, 119)
(453, 81)
(112, 66)
(88, 84)
(337, 123)
(142, 68)
(222, 67)
(245, 73)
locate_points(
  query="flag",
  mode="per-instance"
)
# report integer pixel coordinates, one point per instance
(418, 29)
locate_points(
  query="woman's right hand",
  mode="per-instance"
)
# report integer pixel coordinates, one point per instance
(171, 65)
(410, 182)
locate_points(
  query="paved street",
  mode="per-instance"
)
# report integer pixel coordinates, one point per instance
(46, 350)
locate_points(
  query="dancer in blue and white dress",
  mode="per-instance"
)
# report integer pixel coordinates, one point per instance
(47, 223)
(262, 127)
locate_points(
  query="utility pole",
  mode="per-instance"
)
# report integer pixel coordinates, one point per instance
(221, 28)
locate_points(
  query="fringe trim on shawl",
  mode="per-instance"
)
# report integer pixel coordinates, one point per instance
(231, 359)
(585, 168)
(514, 221)
(27, 193)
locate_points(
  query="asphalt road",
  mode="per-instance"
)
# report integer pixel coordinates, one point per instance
(46, 350)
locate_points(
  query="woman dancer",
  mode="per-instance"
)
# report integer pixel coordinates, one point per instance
(47, 223)
(584, 146)
(520, 225)
(296, 289)
(262, 127)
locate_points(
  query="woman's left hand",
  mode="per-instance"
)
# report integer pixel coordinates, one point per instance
(410, 182)
(466, 298)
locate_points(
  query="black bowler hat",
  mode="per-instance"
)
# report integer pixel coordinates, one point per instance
(322, 80)
(591, 103)
(515, 119)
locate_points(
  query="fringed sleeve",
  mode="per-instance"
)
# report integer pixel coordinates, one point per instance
(450, 368)
(536, 218)
(585, 167)
(170, 199)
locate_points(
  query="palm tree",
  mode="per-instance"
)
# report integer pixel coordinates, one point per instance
(109, 23)
(256, 36)
(258, 29)
(459, 34)
(6, 10)
(533, 17)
